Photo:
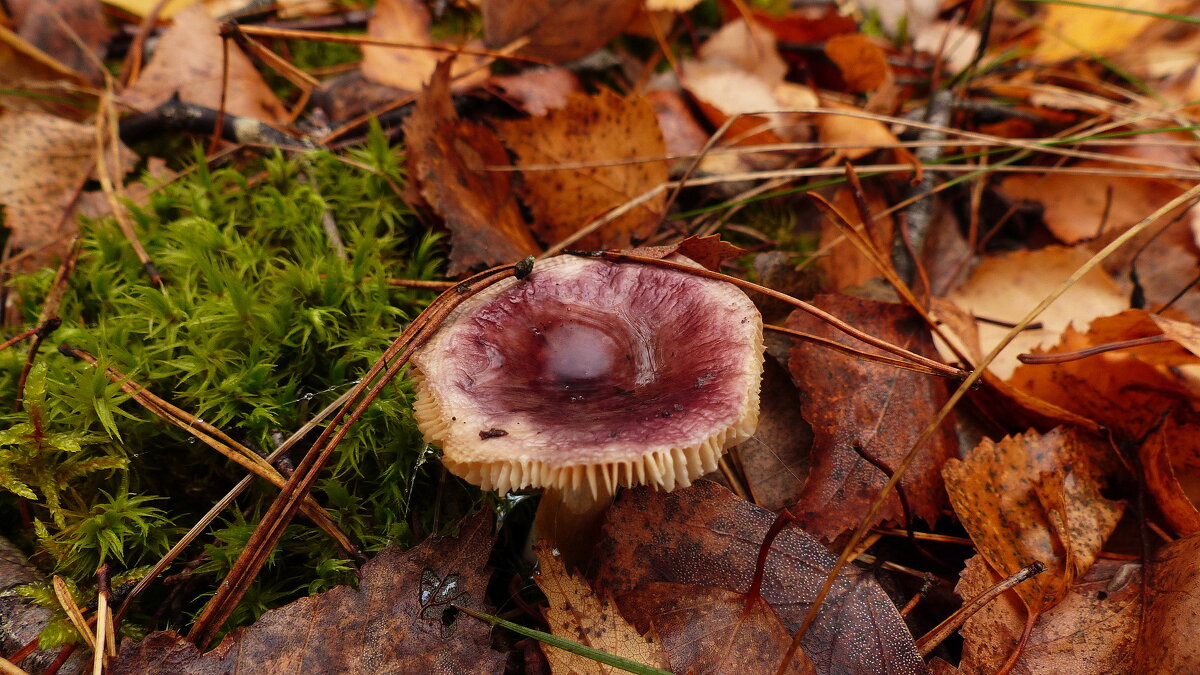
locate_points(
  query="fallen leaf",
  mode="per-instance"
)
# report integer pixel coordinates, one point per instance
(806, 24)
(749, 47)
(705, 536)
(142, 7)
(1172, 618)
(671, 5)
(862, 62)
(838, 129)
(1070, 30)
(44, 161)
(575, 613)
(600, 128)
(681, 132)
(1092, 631)
(1129, 390)
(537, 91)
(709, 251)
(955, 43)
(407, 21)
(24, 620)
(777, 459)
(1027, 277)
(558, 30)
(188, 62)
(399, 620)
(26, 70)
(714, 630)
(845, 266)
(74, 31)
(1035, 498)
(446, 156)
(853, 403)
(1171, 460)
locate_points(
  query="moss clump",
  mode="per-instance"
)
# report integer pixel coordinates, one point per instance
(263, 320)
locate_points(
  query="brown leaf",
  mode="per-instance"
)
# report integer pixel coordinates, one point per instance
(862, 62)
(705, 536)
(74, 31)
(856, 403)
(1172, 619)
(1035, 497)
(681, 132)
(537, 91)
(1127, 391)
(1069, 31)
(709, 251)
(575, 613)
(398, 620)
(188, 61)
(445, 158)
(846, 266)
(843, 129)
(558, 30)
(1170, 453)
(26, 70)
(1092, 631)
(44, 161)
(1027, 277)
(713, 630)
(777, 459)
(597, 128)
(410, 69)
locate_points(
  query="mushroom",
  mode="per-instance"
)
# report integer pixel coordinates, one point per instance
(588, 375)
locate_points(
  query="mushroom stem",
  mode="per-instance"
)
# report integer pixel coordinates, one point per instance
(572, 526)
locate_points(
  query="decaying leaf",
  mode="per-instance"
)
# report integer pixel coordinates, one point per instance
(777, 459)
(714, 630)
(709, 251)
(1127, 391)
(1027, 277)
(1168, 641)
(705, 536)
(1092, 631)
(601, 128)
(575, 613)
(558, 30)
(74, 31)
(858, 407)
(446, 157)
(399, 620)
(25, 70)
(1171, 461)
(1035, 498)
(409, 69)
(846, 266)
(188, 62)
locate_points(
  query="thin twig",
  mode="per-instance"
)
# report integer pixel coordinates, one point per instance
(926, 643)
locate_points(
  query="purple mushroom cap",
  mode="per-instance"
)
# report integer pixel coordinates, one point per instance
(590, 374)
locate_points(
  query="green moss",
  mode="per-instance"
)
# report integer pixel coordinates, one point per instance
(261, 323)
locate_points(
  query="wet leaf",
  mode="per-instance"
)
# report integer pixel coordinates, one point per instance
(714, 630)
(1172, 618)
(705, 536)
(1035, 498)
(188, 62)
(852, 403)
(558, 30)
(1092, 631)
(601, 128)
(446, 157)
(576, 614)
(398, 620)
(410, 69)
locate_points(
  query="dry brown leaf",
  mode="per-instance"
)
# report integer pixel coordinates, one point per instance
(188, 61)
(714, 630)
(74, 31)
(1172, 620)
(558, 30)
(1171, 461)
(862, 62)
(537, 91)
(709, 251)
(399, 620)
(410, 69)
(1035, 497)
(878, 409)
(1006, 287)
(842, 129)
(445, 159)
(681, 132)
(1092, 631)
(44, 161)
(1128, 391)
(671, 5)
(576, 614)
(705, 536)
(25, 69)
(597, 128)
(846, 266)
(777, 459)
